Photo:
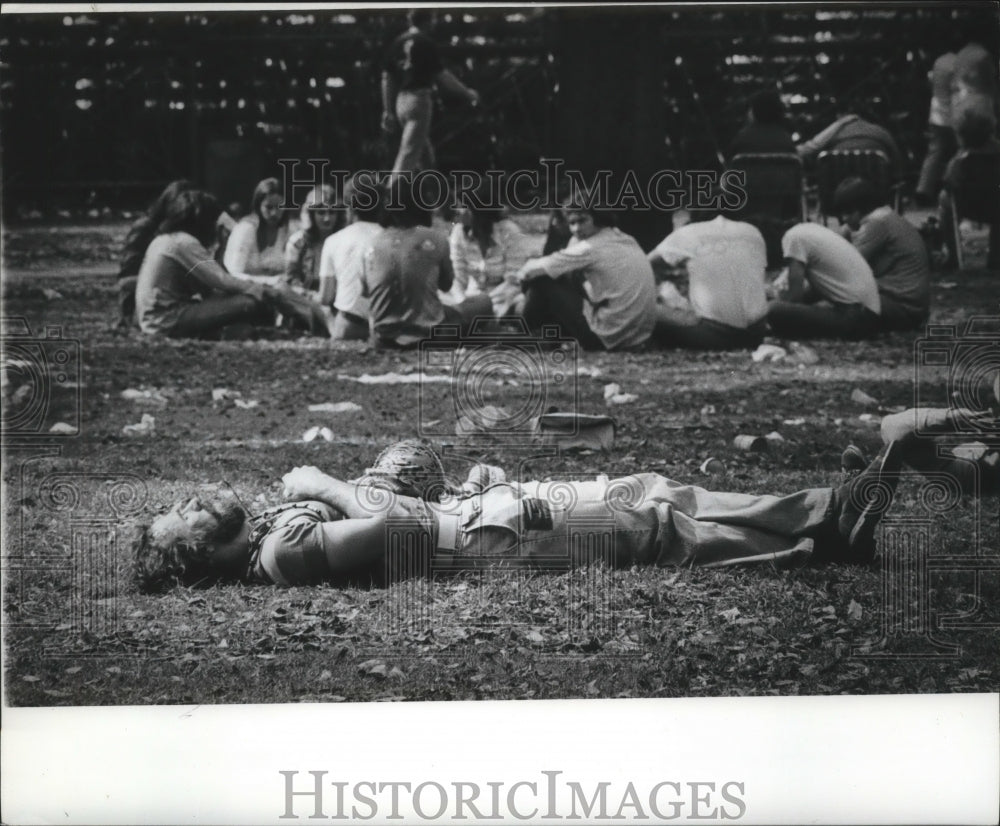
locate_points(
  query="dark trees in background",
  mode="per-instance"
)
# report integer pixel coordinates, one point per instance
(609, 112)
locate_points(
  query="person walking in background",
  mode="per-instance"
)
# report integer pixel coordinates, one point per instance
(411, 68)
(893, 248)
(941, 144)
(256, 247)
(341, 267)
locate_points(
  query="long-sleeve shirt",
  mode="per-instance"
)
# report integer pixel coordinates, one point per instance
(476, 273)
(176, 268)
(621, 291)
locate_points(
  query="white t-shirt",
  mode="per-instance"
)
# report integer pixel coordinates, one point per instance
(726, 261)
(341, 267)
(834, 267)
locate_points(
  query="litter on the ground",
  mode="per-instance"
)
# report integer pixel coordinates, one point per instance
(314, 433)
(711, 466)
(146, 427)
(613, 395)
(769, 352)
(861, 397)
(153, 397)
(335, 407)
(397, 378)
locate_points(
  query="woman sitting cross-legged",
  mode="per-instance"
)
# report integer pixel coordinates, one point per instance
(182, 291)
(485, 248)
(256, 247)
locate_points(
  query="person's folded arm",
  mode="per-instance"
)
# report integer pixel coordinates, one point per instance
(209, 273)
(354, 501)
(575, 257)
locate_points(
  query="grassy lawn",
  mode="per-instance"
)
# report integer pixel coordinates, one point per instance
(78, 632)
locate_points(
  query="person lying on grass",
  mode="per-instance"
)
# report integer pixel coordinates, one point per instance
(364, 533)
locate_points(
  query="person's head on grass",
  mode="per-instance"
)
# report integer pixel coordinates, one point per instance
(195, 541)
(854, 198)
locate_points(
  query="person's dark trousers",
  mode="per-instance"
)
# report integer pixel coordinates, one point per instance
(708, 335)
(205, 319)
(851, 322)
(550, 301)
(941, 146)
(897, 315)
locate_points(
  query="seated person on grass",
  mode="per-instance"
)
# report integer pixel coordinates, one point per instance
(615, 309)
(320, 218)
(405, 267)
(256, 247)
(341, 267)
(725, 262)
(894, 249)
(830, 292)
(182, 291)
(334, 531)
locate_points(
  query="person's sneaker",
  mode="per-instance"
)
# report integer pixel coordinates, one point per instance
(861, 503)
(852, 462)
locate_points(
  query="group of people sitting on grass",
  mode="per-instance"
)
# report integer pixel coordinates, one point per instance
(388, 273)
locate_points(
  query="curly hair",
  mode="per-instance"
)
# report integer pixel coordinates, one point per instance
(410, 467)
(157, 566)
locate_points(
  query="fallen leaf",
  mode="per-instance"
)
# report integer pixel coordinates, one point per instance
(854, 611)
